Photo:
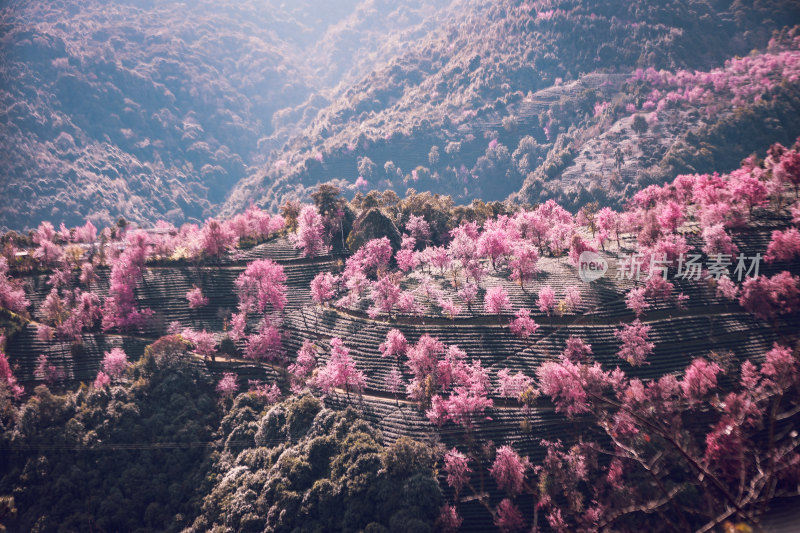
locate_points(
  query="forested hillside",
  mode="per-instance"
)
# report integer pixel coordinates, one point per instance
(508, 93)
(153, 110)
(165, 110)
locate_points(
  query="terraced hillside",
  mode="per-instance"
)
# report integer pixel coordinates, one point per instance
(163, 288)
(707, 324)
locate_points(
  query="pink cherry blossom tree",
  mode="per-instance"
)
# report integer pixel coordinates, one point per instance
(671, 216)
(788, 169)
(310, 234)
(748, 189)
(204, 342)
(784, 245)
(407, 259)
(717, 241)
(271, 393)
(340, 371)
(394, 383)
(47, 372)
(228, 385)
(449, 308)
(88, 274)
(635, 301)
(395, 346)
(635, 346)
(572, 298)
(86, 234)
(422, 362)
(45, 232)
(698, 379)
(438, 257)
(508, 518)
(238, 326)
(12, 295)
(509, 470)
(449, 521)
(608, 224)
(468, 399)
(644, 425)
(385, 293)
(373, 258)
(101, 381)
(115, 362)
(512, 385)
(418, 228)
(323, 288)
(496, 300)
(216, 238)
(767, 298)
(48, 253)
(577, 350)
(523, 263)
(120, 310)
(547, 300)
(266, 345)
(303, 365)
(468, 293)
(577, 246)
(457, 470)
(726, 288)
(523, 326)
(495, 242)
(262, 286)
(196, 298)
(6, 375)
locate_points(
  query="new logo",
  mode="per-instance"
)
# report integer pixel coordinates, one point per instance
(591, 266)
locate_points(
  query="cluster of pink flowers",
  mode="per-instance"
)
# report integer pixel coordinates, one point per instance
(514, 243)
(741, 81)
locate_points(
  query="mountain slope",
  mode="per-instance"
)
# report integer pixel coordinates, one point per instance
(450, 111)
(153, 110)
